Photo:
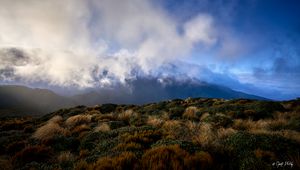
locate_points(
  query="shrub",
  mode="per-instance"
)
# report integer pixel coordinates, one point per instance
(15, 147)
(126, 160)
(116, 124)
(128, 147)
(266, 156)
(165, 157)
(175, 129)
(126, 115)
(205, 136)
(107, 108)
(176, 112)
(186, 145)
(190, 113)
(65, 160)
(62, 143)
(50, 129)
(81, 165)
(32, 153)
(77, 120)
(154, 121)
(200, 160)
(219, 120)
(103, 127)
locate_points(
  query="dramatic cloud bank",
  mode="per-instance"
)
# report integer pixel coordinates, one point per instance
(93, 43)
(251, 46)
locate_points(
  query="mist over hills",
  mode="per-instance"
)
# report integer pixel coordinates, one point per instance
(23, 100)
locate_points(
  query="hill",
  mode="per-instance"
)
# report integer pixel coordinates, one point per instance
(175, 134)
(145, 90)
(21, 100)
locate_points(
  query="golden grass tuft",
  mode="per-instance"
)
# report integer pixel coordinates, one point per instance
(50, 129)
(205, 135)
(126, 115)
(223, 133)
(154, 121)
(66, 156)
(103, 127)
(126, 160)
(200, 160)
(77, 120)
(190, 113)
(80, 128)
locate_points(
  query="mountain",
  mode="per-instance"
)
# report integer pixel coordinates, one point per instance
(145, 90)
(21, 100)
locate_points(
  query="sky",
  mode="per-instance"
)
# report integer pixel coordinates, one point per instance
(250, 46)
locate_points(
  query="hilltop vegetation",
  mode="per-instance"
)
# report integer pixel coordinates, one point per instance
(178, 134)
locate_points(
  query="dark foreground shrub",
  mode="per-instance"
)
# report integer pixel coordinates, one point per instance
(32, 153)
(167, 157)
(126, 160)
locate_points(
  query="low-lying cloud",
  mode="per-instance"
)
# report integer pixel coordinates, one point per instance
(93, 43)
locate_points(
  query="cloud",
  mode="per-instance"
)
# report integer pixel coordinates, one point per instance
(93, 43)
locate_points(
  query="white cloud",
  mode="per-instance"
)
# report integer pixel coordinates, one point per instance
(94, 43)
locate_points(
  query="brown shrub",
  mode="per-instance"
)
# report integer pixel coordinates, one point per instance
(77, 120)
(126, 160)
(65, 157)
(50, 129)
(174, 129)
(200, 160)
(164, 157)
(105, 117)
(126, 115)
(80, 128)
(15, 147)
(190, 113)
(154, 121)
(265, 155)
(128, 147)
(223, 133)
(103, 127)
(5, 164)
(205, 135)
(32, 153)
(204, 116)
(82, 165)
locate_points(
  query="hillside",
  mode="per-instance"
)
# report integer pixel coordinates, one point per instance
(21, 100)
(195, 133)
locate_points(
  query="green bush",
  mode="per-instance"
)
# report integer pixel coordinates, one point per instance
(176, 112)
(219, 120)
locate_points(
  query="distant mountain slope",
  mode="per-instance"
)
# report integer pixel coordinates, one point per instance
(21, 100)
(143, 91)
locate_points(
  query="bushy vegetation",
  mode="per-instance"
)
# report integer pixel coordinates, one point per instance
(195, 133)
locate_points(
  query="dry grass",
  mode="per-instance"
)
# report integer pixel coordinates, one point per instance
(56, 119)
(174, 129)
(103, 127)
(205, 135)
(77, 120)
(223, 133)
(126, 115)
(5, 164)
(65, 157)
(190, 113)
(154, 121)
(204, 116)
(81, 128)
(266, 155)
(50, 129)
(261, 125)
